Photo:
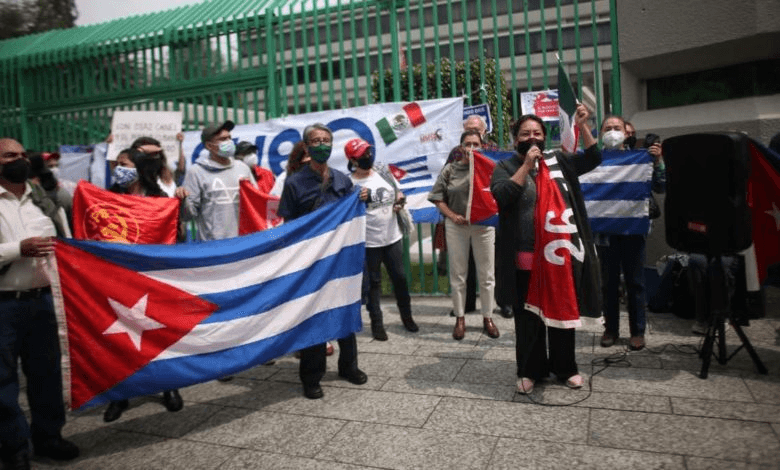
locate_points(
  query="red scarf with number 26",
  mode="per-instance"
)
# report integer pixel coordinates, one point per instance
(551, 292)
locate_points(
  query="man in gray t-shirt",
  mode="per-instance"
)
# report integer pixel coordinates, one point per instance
(212, 185)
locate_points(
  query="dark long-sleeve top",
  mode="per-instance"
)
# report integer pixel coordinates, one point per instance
(516, 233)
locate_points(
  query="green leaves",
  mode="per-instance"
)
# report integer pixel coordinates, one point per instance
(413, 83)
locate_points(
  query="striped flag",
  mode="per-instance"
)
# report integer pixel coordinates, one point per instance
(391, 127)
(567, 106)
(416, 180)
(184, 315)
(617, 192)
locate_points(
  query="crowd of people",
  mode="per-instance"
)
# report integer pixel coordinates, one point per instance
(34, 210)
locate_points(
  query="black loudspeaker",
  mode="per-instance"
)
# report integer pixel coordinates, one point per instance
(706, 187)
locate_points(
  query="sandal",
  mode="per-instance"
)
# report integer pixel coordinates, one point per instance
(525, 385)
(575, 381)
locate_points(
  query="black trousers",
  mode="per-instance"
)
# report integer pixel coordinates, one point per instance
(531, 351)
(313, 360)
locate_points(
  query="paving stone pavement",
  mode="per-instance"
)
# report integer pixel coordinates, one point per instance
(435, 403)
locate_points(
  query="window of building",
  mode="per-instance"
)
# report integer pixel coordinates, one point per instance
(736, 81)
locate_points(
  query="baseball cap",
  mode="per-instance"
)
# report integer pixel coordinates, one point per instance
(215, 128)
(244, 147)
(355, 148)
(50, 155)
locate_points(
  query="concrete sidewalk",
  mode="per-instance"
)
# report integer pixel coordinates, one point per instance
(435, 403)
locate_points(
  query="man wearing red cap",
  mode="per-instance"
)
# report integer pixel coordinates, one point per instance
(384, 239)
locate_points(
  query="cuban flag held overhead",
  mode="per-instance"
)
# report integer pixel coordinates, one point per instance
(617, 192)
(140, 319)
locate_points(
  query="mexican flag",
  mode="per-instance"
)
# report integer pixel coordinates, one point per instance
(391, 127)
(567, 106)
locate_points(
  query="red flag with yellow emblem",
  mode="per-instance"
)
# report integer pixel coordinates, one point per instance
(105, 216)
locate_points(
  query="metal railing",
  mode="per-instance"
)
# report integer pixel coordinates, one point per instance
(221, 59)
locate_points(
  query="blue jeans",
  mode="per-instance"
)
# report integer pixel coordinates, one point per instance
(28, 330)
(392, 257)
(625, 253)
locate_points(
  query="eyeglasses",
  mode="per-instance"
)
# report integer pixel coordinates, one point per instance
(323, 141)
(471, 145)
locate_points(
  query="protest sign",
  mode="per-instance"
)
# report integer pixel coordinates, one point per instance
(126, 126)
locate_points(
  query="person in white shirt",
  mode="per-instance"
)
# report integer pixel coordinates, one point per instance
(27, 320)
(384, 242)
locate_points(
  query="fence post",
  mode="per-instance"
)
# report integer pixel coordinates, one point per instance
(614, 88)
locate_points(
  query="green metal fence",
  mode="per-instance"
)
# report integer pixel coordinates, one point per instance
(249, 61)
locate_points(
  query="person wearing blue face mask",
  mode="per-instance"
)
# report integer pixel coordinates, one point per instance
(212, 185)
(315, 185)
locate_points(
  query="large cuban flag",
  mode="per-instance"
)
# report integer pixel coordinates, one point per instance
(617, 192)
(139, 319)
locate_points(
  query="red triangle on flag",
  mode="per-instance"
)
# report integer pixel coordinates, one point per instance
(397, 172)
(118, 320)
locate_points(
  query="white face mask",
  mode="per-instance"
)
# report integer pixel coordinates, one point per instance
(227, 149)
(251, 160)
(613, 139)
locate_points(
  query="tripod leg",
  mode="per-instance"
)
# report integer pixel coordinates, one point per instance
(749, 347)
(722, 355)
(706, 349)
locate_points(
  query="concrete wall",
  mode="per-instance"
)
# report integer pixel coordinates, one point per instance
(660, 38)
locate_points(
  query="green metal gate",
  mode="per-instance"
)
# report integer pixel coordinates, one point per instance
(249, 61)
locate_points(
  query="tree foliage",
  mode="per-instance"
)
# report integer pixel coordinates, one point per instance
(22, 17)
(488, 92)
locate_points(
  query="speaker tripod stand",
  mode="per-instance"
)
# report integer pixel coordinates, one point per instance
(719, 303)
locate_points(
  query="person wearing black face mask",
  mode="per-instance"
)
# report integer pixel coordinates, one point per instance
(514, 187)
(384, 238)
(27, 319)
(630, 142)
(41, 174)
(146, 168)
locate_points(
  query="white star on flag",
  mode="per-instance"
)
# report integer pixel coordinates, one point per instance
(775, 212)
(132, 321)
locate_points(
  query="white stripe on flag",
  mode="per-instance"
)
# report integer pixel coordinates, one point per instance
(615, 209)
(638, 173)
(213, 337)
(259, 269)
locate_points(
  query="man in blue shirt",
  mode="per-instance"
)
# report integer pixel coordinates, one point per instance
(310, 188)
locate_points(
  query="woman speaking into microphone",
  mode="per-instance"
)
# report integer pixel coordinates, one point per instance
(547, 267)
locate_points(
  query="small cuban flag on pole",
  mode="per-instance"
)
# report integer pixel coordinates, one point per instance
(567, 107)
(391, 127)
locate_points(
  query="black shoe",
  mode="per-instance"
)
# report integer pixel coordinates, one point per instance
(226, 378)
(18, 461)
(452, 313)
(313, 392)
(172, 400)
(506, 312)
(378, 332)
(114, 410)
(409, 324)
(55, 448)
(357, 376)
